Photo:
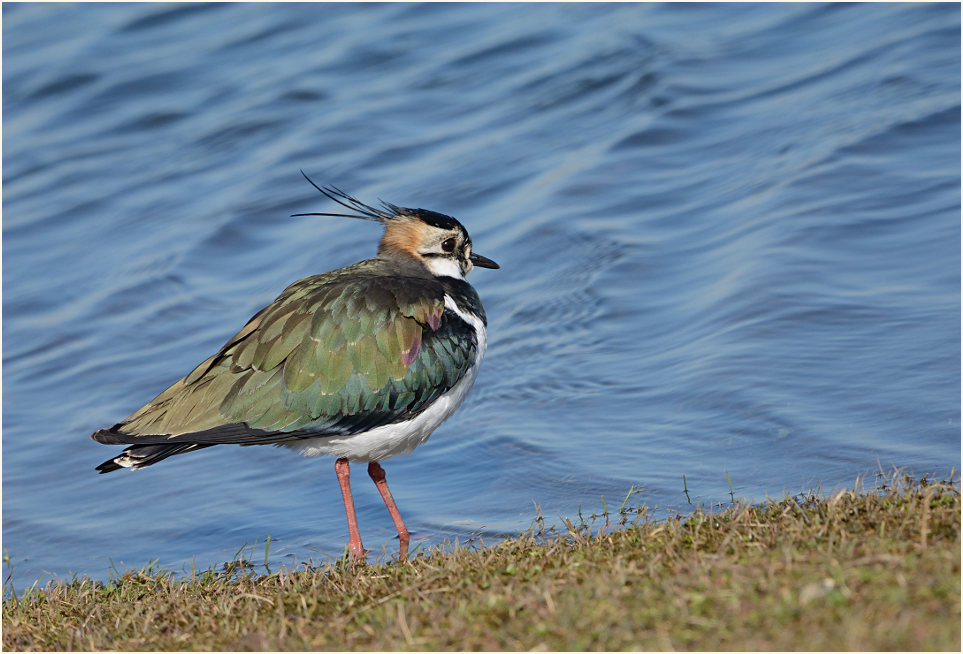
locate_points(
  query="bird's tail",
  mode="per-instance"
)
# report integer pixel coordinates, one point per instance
(141, 456)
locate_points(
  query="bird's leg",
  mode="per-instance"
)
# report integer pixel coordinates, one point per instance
(377, 474)
(354, 536)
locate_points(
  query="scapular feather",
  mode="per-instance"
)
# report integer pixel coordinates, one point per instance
(243, 356)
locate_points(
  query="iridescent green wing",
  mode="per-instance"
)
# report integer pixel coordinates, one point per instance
(337, 353)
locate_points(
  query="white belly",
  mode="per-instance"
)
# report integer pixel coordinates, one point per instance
(401, 437)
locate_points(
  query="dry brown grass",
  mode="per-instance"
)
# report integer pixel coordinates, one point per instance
(864, 570)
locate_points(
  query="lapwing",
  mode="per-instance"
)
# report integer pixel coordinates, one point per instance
(361, 363)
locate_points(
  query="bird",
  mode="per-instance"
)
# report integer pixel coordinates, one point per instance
(361, 363)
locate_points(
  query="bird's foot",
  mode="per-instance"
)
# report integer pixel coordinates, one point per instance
(354, 554)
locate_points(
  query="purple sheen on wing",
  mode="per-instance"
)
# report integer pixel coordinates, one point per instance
(434, 318)
(408, 356)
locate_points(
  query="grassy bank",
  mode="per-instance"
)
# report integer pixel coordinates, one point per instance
(875, 569)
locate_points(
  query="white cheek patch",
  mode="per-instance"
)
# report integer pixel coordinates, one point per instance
(444, 267)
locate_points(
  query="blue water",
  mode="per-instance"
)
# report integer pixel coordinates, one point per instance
(729, 239)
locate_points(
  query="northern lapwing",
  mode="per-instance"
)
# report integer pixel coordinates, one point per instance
(361, 363)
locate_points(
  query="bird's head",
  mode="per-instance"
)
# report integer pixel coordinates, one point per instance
(438, 241)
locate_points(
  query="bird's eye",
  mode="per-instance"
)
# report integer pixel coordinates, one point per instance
(448, 245)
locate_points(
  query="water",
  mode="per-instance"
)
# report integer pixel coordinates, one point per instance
(728, 236)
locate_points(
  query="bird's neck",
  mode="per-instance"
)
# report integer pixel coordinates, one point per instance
(434, 266)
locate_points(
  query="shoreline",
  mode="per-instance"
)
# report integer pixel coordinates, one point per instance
(862, 569)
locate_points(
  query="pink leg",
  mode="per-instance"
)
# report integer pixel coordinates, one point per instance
(354, 536)
(377, 475)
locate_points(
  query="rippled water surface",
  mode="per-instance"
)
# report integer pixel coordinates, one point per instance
(729, 239)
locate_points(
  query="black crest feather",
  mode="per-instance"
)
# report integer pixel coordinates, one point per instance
(367, 212)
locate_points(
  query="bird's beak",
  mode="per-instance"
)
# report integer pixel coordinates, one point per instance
(482, 262)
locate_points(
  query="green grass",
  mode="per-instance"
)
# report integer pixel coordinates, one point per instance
(871, 569)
